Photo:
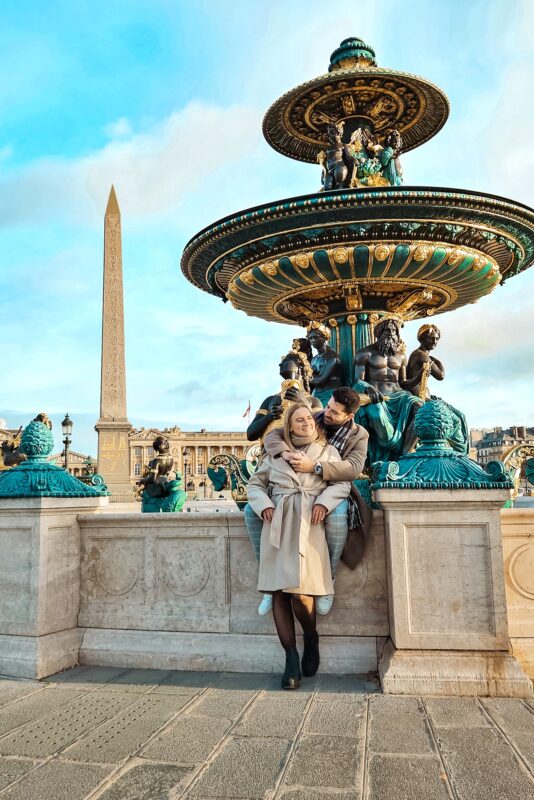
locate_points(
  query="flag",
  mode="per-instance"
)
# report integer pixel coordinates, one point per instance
(247, 412)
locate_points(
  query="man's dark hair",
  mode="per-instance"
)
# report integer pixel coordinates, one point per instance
(348, 398)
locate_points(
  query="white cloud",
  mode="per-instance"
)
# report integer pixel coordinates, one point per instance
(120, 129)
(153, 172)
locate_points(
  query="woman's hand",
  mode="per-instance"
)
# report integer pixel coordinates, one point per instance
(267, 514)
(318, 514)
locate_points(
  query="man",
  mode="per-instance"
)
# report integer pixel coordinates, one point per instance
(380, 373)
(337, 422)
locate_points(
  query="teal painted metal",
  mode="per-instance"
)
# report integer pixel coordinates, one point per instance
(434, 464)
(344, 348)
(363, 331)
(38, 477)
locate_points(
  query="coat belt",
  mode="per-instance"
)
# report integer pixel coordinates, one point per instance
(307, 498)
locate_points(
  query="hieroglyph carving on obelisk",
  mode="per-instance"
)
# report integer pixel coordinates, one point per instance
(113, 426)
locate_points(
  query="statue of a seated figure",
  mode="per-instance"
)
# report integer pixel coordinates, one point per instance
(422, 366)
(380, 373)
(159, 491)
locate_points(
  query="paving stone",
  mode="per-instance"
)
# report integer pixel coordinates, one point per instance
(252, 681)
(146, 782)
(481, 764)
(11, 770)
(273, 715)
(137, 680)
(335, 716)
(86, 676)
(456, 712)
(12, 690)
(127, 731)
(35, 706)
(398, 725)
(187, 682)
(59, 728)
(525, 744)
(406, 778)
(226, 703)
(189, 741)
(57, 781)
(318, 794)
(512, 715)
(245, 768)
(324, 761)
(350, 684)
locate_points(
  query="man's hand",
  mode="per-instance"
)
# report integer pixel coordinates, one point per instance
(374, 395)
(318, 514)
(267, 514)
(301, 462)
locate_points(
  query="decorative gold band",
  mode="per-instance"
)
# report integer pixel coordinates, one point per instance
(261, 412)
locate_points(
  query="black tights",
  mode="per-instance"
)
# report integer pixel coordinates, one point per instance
(284, 606)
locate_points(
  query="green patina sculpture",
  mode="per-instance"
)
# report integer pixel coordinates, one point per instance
(38, 477)
(434, 464)
(159, 493)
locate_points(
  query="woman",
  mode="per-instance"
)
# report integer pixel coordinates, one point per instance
(294, 562)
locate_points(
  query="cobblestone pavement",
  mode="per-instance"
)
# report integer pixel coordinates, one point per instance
(151, 735)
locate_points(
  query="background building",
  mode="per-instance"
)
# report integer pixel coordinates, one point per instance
(191, 451)
(495, 443)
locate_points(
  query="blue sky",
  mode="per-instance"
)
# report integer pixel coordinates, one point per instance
(165, 100)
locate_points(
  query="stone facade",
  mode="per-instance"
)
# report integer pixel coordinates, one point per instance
(191, 451)
(495, 443)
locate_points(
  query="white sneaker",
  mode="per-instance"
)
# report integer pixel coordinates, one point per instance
(324, 604)
(266, 605)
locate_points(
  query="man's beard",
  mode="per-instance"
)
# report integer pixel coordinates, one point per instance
(387, 345)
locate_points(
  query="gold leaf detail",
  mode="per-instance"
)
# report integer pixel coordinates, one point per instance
(351, 319)
(302, 260)
(455, 257)
(382, 252)
(247, 277)
(479, 263)
(421, 252)
(341, 255)
(269, 268)
(332, 322)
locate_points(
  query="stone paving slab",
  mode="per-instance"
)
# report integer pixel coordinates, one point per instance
(324, 761)
(119, 734)
(401, 778)
(60, 728)
(12, 769)
(190, 740)
(127, 731)
(146, 782)
(57, 781)
(481, 764)
(245, 768)
(35, 706)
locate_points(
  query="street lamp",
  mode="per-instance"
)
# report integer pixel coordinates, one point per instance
(185, 454)
(66, 426)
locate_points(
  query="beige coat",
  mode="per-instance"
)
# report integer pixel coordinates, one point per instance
(294, 555)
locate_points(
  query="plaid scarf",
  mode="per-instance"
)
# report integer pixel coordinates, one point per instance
(337, 437)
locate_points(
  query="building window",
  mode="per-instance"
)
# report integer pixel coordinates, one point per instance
(137, 452)
(137, 468)
(150, 452)
(200, 469)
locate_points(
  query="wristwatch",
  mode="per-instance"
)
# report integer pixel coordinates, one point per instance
(318, 468)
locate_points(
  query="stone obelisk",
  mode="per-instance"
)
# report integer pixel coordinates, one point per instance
(113, 426)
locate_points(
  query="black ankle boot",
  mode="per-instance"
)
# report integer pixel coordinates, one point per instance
(291, 677)
(310, 657)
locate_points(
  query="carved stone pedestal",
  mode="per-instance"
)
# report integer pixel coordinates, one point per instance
(40, 583)
(447, 605)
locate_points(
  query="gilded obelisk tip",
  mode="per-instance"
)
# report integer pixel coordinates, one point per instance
(112, 206)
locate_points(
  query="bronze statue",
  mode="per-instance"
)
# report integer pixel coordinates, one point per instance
(421, 367)
(380, 373)
(11, 453)
(160, 492)
(327, 372)
(421, 364)
(295, 370)
(336, 160)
